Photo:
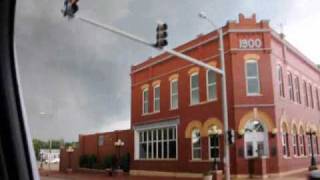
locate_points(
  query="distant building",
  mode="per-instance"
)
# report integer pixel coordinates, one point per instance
(47, 154)
(273, 101)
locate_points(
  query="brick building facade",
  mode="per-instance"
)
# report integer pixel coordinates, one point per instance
(273, 101)
(268, 104)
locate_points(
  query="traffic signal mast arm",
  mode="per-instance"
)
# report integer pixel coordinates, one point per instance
(140, 40)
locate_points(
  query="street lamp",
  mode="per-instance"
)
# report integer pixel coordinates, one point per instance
(215, 133)
(313, 165)
(224, 96)
(118, 144)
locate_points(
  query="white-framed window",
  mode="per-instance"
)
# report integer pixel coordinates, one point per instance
(157, 143)
(295, 140)
(194, 89)
(145, 101)
(196, 144)
(252, 77)
(214, 146)
(211, 85)
(280, 81)
(309, 144)
(174, 95)
(290, 86)
(311, 96)
(297, 89)
(156, 98)
(318, 98)
(100, 140)
(285, 141)
(302, 143)
(306, 98)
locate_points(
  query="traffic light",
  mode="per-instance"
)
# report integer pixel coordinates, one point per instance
(161, 35)
(231, 136)
(70, 7)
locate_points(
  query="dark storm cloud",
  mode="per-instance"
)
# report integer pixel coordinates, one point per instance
(75, 77)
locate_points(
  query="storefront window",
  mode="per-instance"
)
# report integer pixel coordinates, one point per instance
(158, 143)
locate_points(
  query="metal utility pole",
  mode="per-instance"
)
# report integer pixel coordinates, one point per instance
(224, 98)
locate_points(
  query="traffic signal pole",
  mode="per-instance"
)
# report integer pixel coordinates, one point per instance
(140, 40)
(189, 59)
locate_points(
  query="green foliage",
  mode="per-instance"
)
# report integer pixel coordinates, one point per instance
(83, 162)
(88, 161)
(125, 162)
(92, 160)
(107, 161)
(110, 161)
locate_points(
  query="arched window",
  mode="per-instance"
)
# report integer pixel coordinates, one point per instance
(196, 144)
(302, 143)
(295, 140)
(255, 139)
(309, 139)
(285, 140)
(214, 142)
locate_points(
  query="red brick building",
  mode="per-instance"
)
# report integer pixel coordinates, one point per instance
(273, 100)
(102, 144)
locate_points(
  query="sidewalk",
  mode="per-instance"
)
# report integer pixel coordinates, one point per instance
(82, 176)
(55, 175)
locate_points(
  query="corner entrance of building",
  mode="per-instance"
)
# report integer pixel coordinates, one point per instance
(255, 139)
(255, 146)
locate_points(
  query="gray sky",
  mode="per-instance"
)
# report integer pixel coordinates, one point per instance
(75, 77)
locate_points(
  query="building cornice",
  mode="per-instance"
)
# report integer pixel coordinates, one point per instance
(304, 58)
(213, 38)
